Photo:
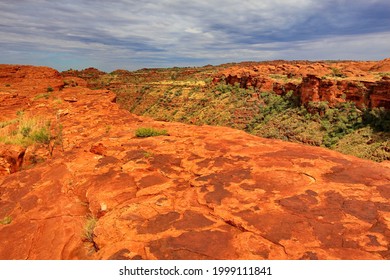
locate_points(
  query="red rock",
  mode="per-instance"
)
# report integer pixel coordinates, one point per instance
(319, 81)
(380, 94)
(71, 81)
(11, 158)
(363, 94)
(98, 149)
(200, 193)
(30, 79)
(70, 99)
(381, 66)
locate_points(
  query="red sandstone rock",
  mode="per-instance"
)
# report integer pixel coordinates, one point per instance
(71, 81)
(380, 95)
(98, 149)
(199, 193)
(29, 79)
(363, 94)
(11, 158)
(320, 81)
(381, 66)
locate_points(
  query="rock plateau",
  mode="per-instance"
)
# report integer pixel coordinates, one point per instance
(201, 192)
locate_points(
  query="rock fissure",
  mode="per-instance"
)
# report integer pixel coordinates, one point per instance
(236, 225)
(56, 217)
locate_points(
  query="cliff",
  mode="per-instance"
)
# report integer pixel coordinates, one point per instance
(367, 84)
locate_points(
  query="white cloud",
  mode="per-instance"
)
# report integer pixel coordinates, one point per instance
(354, 47)
(193, 30)
(173, 32)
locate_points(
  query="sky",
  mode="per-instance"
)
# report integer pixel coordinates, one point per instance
(130, 34)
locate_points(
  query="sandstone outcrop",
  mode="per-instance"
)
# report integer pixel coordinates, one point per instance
(29, 79)
(11, 158)
(200, 193)
(19, 84)
(363, 94)
(382, 66)
(336, 82)
(85, 78)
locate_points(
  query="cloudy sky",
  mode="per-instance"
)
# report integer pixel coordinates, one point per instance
(132, 34)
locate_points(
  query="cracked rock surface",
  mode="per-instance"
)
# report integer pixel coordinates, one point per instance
(197, 193)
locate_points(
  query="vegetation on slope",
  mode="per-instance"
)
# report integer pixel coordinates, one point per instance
(144, 132)
(188, 95)
(25, 130)
(344, 128)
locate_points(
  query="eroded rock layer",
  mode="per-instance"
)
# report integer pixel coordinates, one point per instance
(367, 84)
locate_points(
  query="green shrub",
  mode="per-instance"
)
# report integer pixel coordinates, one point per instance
(337, 73)
(29, 130)
(366, 143)
(378, 119)
(144, 132)
(25, 131)
(41, 135)
(208, 80)
(222, 88)
(384, 74)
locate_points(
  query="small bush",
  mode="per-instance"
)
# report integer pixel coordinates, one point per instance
(43, 95)
(6, 220)
(366, 143)
(377, 118)
(143, 132)
(41, 135)
(384, 74)
(89, 228)
(148, 154)
(337, 73)
(25, 130)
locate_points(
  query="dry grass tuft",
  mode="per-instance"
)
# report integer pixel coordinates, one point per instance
(25, 130)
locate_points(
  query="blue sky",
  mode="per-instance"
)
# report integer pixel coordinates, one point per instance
(128, 34)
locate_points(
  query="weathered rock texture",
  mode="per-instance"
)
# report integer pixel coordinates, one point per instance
(29, 79)
(358, 82)
(363, 94)
(199, 193)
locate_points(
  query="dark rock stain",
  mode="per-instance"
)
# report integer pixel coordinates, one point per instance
(194, 245)
(160, 223)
